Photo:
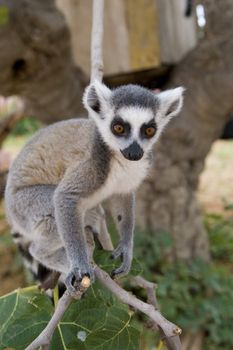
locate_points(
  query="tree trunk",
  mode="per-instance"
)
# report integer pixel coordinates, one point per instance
(36, 61)
(167, 200)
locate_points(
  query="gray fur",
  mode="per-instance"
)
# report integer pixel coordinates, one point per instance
(123, 209)
(100, 155)
(58, 181)
(133, 95)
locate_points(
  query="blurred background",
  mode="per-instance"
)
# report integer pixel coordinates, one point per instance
(185, 207)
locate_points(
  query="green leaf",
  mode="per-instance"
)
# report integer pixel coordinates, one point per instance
(96, 318)
(88, 320)
(23, 315)
(97, 321)
(117, 333)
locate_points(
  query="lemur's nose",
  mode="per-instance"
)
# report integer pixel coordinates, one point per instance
(133, 151)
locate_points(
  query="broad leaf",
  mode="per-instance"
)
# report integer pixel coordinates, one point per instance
(97, 321)
(23, 315)
(116, 334)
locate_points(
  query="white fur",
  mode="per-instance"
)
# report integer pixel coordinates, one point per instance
(166, 99)
(136, 116)
(103, 93)
(124, 177)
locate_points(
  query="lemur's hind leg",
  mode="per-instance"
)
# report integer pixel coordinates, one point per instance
(51, 281)
(122, 211)
(31, 213)
(55, 260)
(95, 220)
(31, 210)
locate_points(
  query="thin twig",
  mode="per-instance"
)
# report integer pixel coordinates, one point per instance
(45, 336)
(97, 40)
(172, 343)
(169, 329)
(149, 287)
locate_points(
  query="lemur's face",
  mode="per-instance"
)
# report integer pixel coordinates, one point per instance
(132, 131)
(131, 118)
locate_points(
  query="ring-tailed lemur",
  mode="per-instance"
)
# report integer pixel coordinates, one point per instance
(72, 166)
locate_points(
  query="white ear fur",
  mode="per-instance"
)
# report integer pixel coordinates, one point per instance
(170, 102)
(95, 97)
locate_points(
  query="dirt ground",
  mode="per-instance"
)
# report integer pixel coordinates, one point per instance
(215, 194)
(216, 182)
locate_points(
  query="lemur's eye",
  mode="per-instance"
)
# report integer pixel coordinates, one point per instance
(118, 129)
(150, 131)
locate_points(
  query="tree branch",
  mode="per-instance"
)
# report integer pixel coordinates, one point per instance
(169, 329)
(149, 287)
(44, 338)
(97, 40)
(172, 343)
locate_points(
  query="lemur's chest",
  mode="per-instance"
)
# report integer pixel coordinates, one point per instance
(124, 177)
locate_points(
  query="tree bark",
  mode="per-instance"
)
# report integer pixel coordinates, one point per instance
(36, 61)
(167, 200)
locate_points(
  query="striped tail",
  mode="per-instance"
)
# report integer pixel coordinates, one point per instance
(39, 272)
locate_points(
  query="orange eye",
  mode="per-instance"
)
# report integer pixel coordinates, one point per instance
(150, 131)
(118, 129)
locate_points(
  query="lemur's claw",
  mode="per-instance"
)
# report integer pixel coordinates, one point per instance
(75, 276)
(125, 253)
(71, 278)
(120, 271)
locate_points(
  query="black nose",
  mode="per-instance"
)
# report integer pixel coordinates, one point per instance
(133, 152)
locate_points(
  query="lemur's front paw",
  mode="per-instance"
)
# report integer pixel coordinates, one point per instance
(75, 276)
(125, 253)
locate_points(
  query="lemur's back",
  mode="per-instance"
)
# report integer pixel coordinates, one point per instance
(45, 158)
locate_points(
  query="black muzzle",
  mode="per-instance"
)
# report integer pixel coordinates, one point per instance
(133, 152)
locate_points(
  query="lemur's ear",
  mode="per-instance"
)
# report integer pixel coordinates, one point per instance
(170, 102)
(96, 97)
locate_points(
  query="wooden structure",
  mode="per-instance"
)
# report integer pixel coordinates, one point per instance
(139, 34)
